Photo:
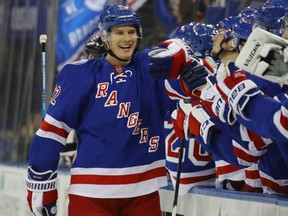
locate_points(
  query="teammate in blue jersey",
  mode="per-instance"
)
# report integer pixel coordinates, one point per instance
(117, 110)
(198, 167)
(237, 91)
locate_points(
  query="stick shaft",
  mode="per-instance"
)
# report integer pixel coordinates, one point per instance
(177, 184)
(43, 80)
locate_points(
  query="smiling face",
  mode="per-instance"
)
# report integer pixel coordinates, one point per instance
(122, 41)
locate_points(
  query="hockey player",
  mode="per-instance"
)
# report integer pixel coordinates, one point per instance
(198, 167)
(117, 111)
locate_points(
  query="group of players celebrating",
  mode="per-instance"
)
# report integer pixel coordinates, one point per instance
(237, 117)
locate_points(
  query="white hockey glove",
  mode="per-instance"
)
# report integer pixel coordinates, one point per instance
(212, 101)
(180, 119)
(168, 58)
(200, 123)
(265, 55)
(236, 89)
(68, 154)
(42, 192)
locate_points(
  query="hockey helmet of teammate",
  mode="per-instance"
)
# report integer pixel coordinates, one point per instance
(267, 17)
(196, 36)
(283, 3)
(247, 11)
(242, 29)
(94, 48)
(225, 27)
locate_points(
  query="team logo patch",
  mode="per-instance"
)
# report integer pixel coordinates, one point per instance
(120, 77)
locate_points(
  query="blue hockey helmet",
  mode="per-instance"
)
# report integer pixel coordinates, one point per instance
(116, 15)
(228, 24)
(247, 11)
(196, 36)
(267, 17)
(243, 28)
(283, 3)
(225, 28)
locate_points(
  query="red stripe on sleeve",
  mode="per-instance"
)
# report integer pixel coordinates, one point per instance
(45, 126)
(244, 156)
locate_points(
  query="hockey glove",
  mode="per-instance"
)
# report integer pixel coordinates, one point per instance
(215, 105)
(236, 89)
(42, 192)
(68, 154)
(200, 123)
(180, 120)
(265, 55)
(194, 77)
(168, 58)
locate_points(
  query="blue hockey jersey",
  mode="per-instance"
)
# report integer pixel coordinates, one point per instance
(118, 115)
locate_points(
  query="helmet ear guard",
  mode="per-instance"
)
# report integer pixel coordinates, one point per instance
(104, 35)
(230, 38)
(234, 42)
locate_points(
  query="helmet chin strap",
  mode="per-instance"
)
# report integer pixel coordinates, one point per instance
(115, 56)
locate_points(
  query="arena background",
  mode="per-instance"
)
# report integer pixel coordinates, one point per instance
(21, 23)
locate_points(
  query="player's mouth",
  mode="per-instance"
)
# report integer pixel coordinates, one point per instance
(125, 47)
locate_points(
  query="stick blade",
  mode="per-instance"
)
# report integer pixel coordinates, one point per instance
(174, 211)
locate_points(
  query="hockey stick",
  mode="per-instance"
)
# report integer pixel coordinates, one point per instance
(43, 39)
(179, 169)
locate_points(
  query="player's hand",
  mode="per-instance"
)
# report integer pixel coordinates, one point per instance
(180, 119)
(277, 70)
(214, 104)
(236, 89)
(200, 123)
(42, 192)
(223, 111)
(265, 55)
(194, 77)
(168, 58)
